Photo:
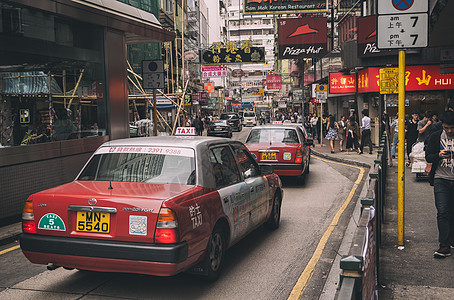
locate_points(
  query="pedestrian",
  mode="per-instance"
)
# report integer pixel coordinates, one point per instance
(439, 152)
(395, 126)
(411, 134)
(425, 126)
(319, 130)
(313, 124)
(352, 135)
(332, 128)
(341, 128)
(198, 125)
(365, 134)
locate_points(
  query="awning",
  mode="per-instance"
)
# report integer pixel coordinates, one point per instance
(140, 26)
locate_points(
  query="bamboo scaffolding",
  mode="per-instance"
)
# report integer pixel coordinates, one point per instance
(76, 87)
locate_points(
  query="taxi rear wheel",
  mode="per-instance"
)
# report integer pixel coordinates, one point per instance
(215, 254)
(275, 217)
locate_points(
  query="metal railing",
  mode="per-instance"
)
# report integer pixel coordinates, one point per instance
(359, 269)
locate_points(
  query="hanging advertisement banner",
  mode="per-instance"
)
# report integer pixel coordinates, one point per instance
(340, 83)
(232, 53)
(273, 82)
(367, 38)
(214, 71)
(369, 80)
(302, 38)
(284, 6)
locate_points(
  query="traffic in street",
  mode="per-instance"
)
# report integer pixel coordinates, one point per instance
(263, 265)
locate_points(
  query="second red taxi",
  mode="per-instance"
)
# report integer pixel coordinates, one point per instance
(284, 146)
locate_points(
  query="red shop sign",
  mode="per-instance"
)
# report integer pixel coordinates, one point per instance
(340, 83)
(428, 77)
(368, 80)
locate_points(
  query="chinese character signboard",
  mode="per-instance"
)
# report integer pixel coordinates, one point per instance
(209, 86)
(214, 71)
(153, 74)
(273, 82)
(284, 6)
(232, 53)
(389, 80)
(368, 80)
(340, 83)
(302, 37)
(423, 78)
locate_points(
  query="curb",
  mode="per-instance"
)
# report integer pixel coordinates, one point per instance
(10, 233)
(342, 160)
(332, 283)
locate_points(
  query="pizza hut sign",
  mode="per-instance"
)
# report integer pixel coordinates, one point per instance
(302, 37)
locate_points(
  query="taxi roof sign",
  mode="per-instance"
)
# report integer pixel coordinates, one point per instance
(185, 131)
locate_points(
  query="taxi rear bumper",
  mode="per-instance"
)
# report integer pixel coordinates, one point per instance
(286, 169)
(149, 252)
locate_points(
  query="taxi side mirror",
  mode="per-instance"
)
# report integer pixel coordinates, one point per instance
(309, 142)
(266, 169)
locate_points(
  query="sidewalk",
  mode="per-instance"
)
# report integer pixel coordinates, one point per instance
(413, 272)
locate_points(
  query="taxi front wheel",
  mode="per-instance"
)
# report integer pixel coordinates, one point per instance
(215, 254)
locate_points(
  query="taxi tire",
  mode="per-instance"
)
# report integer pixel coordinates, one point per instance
(275, 217)
(214, 258)
(301, 180)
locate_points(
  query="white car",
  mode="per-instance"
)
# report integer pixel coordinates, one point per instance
(249, 118)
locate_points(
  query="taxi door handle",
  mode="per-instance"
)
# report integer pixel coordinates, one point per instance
(252, 189)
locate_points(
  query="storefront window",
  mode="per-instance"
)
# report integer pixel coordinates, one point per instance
(47, 106)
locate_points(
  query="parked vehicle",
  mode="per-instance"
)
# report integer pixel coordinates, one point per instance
(249, 118)
(219, 128)
(156, 205)
(233, 119)
(285, 147)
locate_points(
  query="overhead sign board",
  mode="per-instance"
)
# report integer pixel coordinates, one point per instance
(214, 71)
(232, 53)
(403, 31)
(389, 80)
(284, 6)
(340, 83)
(153, 74)
(302, 37)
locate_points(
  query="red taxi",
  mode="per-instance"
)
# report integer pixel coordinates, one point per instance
(158, 206)
(284, 146)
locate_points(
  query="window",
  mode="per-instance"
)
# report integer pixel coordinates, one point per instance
(283, 135)
(248, 166)
(224, 166)
(138, 166)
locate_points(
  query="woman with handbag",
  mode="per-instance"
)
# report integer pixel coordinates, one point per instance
(352, 135)
(342, 127)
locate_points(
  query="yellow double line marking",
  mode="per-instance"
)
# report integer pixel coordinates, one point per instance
(306, 275)
(9, 249)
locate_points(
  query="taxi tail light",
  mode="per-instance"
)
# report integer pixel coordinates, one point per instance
(166, 227)
(28, 219)
(299, 155)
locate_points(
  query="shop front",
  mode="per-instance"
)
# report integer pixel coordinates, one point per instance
(63, 88)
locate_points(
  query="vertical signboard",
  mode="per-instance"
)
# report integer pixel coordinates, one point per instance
(302, 37)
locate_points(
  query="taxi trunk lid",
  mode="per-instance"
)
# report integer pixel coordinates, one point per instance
(121, 211)
(280, 152)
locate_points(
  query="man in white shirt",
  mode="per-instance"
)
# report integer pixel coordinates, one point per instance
(365, 136)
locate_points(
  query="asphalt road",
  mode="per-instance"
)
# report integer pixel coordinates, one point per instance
(265, 265)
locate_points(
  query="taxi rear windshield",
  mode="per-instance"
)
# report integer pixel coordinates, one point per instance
(273, 135)
(135, 166)
(249, 114)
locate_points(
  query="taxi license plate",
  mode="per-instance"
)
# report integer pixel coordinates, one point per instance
(93, 221)
(268, 155)
(218, 129)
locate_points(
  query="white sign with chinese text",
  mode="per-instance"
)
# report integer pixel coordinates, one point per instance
(209, 71)
(403, 31)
